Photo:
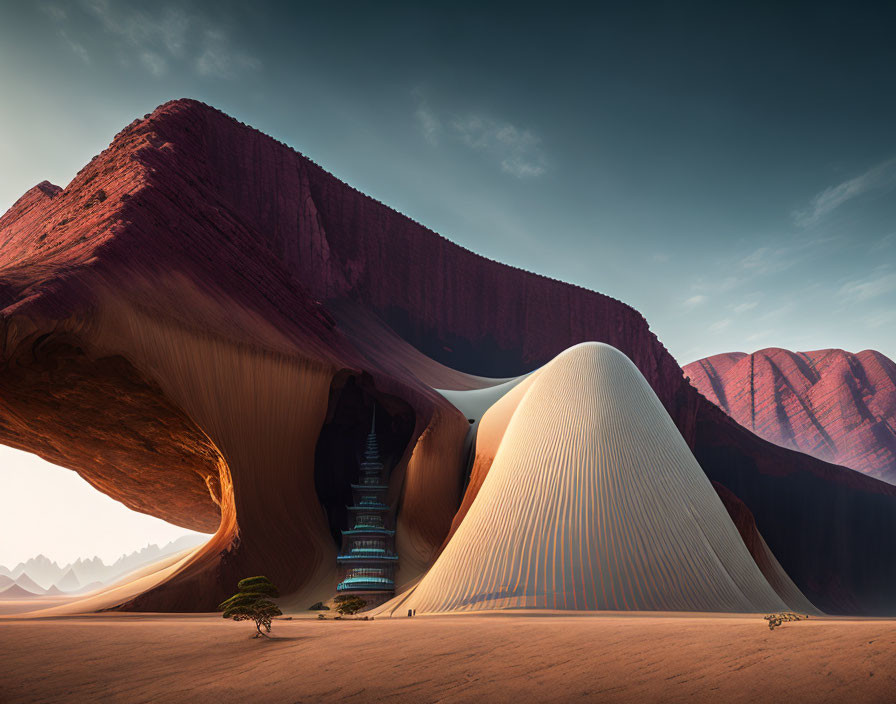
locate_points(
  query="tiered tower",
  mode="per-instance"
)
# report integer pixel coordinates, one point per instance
(368, 556)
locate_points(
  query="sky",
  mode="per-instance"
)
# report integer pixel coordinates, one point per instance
(48, 510)
(728, 171)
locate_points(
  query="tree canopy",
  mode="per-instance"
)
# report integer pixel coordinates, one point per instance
(349, 604)
(253, 603)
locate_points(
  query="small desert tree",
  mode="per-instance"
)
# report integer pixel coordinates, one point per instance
(253, 603)
(348, 604)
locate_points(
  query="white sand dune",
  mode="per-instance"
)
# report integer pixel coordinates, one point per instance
(593, 501)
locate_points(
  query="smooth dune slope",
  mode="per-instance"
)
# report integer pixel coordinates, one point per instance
(594, 501)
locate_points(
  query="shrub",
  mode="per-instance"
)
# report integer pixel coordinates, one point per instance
(319, 606)
(348, 604)
(253, 603)
(775, 620)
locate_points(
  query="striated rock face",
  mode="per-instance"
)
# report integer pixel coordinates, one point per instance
(833, 405)
(201, 305)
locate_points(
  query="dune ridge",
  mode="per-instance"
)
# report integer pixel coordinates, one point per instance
(593, 502)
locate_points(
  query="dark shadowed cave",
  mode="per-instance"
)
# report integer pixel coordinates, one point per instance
(341, 441)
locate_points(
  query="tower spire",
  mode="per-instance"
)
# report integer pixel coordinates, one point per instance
(367, 560)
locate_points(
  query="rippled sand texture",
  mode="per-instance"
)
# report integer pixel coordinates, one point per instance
(626, 658)
(594, 501)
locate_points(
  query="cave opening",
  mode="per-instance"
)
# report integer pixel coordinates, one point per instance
(101, 474)
(68, 540)
(340, 446)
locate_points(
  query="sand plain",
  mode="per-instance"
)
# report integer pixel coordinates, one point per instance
(487, 657)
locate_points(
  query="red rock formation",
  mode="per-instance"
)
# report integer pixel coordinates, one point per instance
(179, 323)
(769, 566)
(833, 405)
(154, 341)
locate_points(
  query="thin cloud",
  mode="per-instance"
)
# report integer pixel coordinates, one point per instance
(768, 260)
(880, 318)
(79, 50)
(880, 177)
(781, 311)
(517, 151)
(884, 242)
(219, 60)
(153, 63)
(429, 123)
(55, 12)
(744, 307)
(761, 335)
(720, 325)
(158, 38)
(764, 261)
(873, 286)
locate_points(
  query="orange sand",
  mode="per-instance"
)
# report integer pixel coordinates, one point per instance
(21, 606)
(487, 657)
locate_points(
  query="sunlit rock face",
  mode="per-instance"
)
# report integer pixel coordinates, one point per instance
(180, 322)
(833, 405)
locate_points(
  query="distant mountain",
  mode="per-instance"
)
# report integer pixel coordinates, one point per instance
(85, 571)
(69, 582)
(41, 569)
(138, 559)
(833, 405)
(15, 591)
(41, 575)
(25, 582)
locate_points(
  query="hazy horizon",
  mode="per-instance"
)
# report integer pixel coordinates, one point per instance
(52, 511)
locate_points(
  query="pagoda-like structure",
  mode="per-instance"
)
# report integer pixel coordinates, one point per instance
(368, 558)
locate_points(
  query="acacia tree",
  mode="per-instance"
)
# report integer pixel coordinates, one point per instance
(253, 603)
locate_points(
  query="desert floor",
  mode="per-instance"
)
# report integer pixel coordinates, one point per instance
(489, 657)
(19, 606)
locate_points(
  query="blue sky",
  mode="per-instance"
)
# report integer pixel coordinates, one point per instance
(731, 173)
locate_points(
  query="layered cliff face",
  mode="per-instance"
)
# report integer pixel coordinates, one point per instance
(154, 342)
(181, 322)
(833, 405)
